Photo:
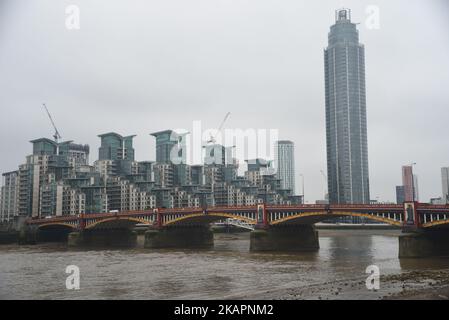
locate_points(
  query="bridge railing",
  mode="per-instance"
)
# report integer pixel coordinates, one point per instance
(420, 207)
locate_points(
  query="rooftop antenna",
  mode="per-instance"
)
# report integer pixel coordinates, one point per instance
(56, 135)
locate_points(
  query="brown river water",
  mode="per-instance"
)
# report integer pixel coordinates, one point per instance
(229, 271)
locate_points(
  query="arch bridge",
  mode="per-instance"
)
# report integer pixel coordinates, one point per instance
(276, 228)
(410, 215)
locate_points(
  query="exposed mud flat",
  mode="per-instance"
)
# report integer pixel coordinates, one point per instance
(414, 285)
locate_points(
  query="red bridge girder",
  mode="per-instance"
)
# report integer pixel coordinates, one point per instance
(417, 214)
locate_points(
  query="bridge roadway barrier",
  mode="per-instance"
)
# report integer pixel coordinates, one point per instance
(195, 236)
(285, 238)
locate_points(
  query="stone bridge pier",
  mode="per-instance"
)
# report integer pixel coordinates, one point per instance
(30, 235)
(424, 235)
(294, 237)
(180, 236)
(282, 237)
(116, 238)
(424, 243)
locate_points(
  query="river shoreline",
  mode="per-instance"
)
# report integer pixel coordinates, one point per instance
(416, 285)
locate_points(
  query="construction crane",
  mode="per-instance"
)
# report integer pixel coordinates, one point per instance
(325, 182)
(212, 138)
(56, 135)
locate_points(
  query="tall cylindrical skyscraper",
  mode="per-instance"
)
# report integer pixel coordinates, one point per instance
(346, 132)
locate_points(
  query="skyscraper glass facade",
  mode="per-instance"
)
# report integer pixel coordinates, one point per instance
(445, 184)
(284, 157)
(346, 124)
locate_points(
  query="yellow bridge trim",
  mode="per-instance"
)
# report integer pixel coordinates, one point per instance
(213, 214)
(435, 223)
(336, 214)
(57, 224)
(94, 224)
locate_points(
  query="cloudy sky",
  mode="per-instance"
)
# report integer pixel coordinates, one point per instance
(135, 67)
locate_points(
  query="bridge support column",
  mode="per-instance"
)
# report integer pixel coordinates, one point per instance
(9, 231)
(179, 237)
(429, 243)
(8, 237)
(28, 236)
(103, 238)
(285, 238)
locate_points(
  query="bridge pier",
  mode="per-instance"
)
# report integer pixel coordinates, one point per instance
(31, 235)
(116, 238)
(421, 244)
(285, 238)
(199, 236)
(28, 235)
(8, 237)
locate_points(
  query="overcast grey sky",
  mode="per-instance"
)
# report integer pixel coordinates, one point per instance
(136, 67)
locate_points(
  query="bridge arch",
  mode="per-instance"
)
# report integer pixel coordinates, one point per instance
(56, 225)
(54, 231)
(314, 217)
(115, 222)
(201, 218)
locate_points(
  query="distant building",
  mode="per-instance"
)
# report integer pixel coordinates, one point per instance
(106, 168)
(116, 147)
(400, 195)
(215, 154)
(57, 180)
(346, 123)
(257, 168)
(198, 177)
(415, 187)
(213, 174)
(41, 189)
(445, 184)
(9, 196)
(408, 182)
(258, 164)
(182, 174)
(284, 161)
(117, 153)
(164, 174)
(437, 201)
(76, 154)
(230, 172)
(170, 147)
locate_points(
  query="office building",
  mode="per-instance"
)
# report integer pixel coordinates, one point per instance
(445, 184)
(346, 123)
(170, 147)
(400, 196)
(284, 161)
